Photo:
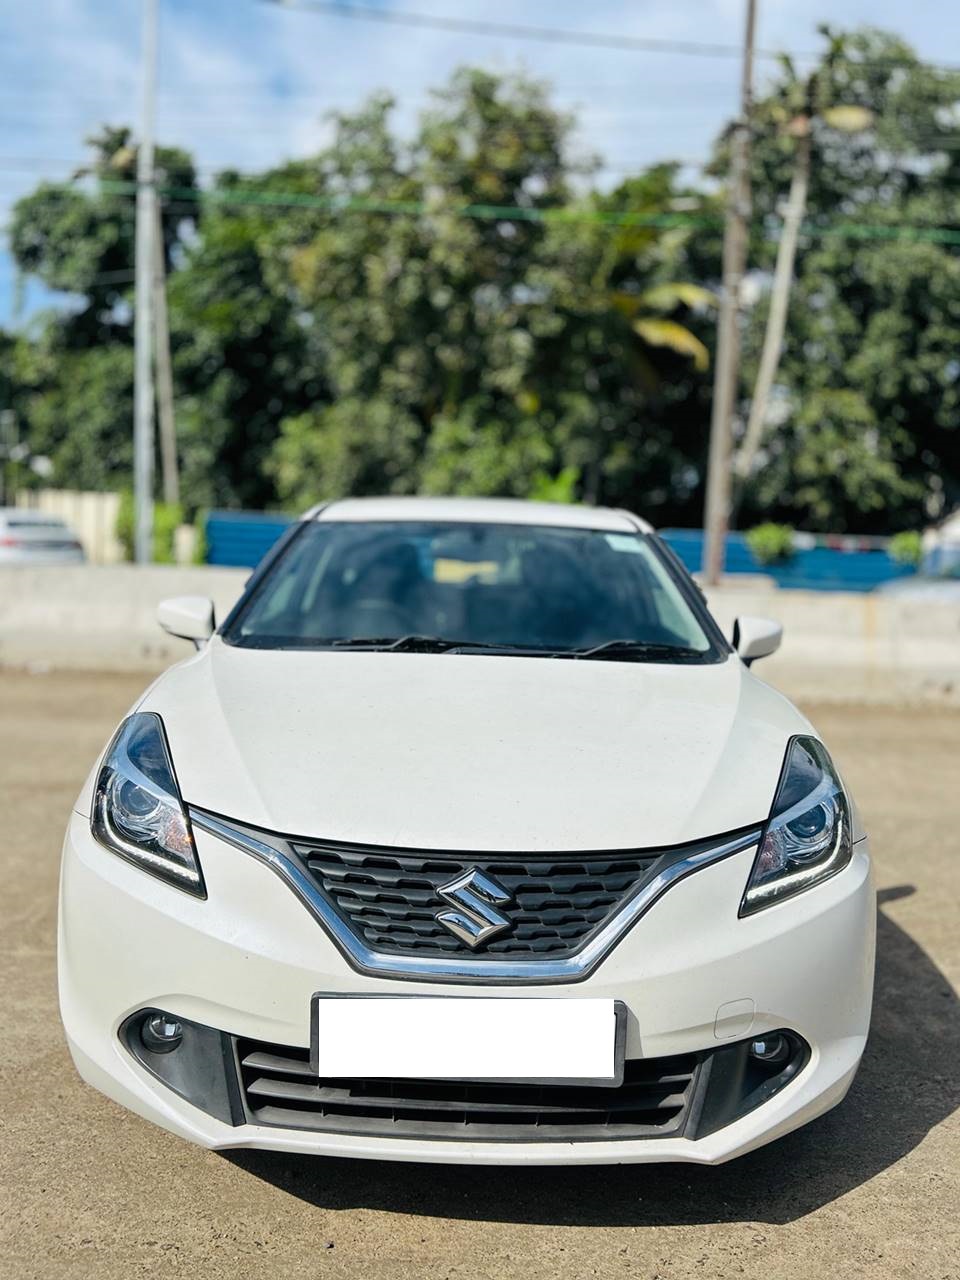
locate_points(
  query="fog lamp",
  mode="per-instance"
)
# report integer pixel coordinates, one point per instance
(161, 1033)
(772, 1049)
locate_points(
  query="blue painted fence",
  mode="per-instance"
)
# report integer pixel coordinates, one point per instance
(829, 564)
(242, 538)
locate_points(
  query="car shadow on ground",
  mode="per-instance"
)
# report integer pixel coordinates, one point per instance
(909, 1081)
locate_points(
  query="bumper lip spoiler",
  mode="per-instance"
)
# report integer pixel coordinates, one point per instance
(269, 850)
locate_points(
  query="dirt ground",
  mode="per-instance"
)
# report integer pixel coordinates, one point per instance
(873, 1189)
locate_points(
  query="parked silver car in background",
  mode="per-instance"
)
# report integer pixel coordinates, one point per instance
(926, 588)
(35, 538)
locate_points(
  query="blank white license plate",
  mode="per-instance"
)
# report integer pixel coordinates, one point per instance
(468, 1038)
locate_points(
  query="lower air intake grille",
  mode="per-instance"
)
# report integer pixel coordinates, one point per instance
(279, 1089)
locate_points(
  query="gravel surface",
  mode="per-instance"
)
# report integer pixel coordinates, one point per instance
(872, 1189)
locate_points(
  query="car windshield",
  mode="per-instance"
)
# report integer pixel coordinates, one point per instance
(452, 586)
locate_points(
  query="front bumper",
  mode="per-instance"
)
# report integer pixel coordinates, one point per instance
(247, 961)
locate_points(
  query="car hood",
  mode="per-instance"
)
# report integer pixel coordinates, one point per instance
(474, 752)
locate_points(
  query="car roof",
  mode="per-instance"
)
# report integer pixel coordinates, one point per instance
(29, 515)
(480, 511)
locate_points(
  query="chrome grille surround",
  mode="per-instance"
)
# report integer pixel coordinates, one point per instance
(550, 903)
(661, 870)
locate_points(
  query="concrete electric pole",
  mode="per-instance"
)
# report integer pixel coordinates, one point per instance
(169, 472)
(727, 368)
(143, 435)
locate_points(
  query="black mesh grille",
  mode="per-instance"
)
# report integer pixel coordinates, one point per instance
(279, 1089)
(390, 897)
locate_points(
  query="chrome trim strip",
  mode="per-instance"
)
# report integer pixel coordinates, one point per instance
(427, 969)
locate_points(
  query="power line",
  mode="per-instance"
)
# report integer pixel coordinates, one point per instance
(236, 196)
(185, 199)
(564, 35)
(290, 200)
(482, 27)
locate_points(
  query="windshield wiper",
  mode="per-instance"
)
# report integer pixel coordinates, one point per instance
(434, 644)
(385, 644)
(417, 643)
(634, 649)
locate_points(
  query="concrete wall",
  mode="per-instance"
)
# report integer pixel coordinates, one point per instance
(841, 647)
(101, 617)
(837, 647)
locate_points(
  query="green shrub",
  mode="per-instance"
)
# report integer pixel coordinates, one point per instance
(770, 543)
(906, 548)
(559, 488)
(166, 517)
(200, 541)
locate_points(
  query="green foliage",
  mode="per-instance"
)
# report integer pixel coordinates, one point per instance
(474, 356)
(322, 350)
(125, 524)
(166, 517)
(356, 447)
(200, 544)
(482, 453)
(242, 363)
(559, 488)
(831, 466)
(906, 547)
(76, 366)
(868, 382)
(770, 543)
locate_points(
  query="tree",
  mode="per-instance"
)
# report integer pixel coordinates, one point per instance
(422, 314)
(356, 447)
(868, 376)
(805, 106)
(79, 373)
(464, 310)
(243, 361)
(871, 389)
(623, 346)
(501, 343)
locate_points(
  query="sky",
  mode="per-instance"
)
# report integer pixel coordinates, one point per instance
(246, 83)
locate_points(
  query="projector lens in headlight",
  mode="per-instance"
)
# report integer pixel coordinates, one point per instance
(137, 810)
(807, 838)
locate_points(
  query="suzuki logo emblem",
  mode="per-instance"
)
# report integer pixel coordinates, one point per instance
(474, 897)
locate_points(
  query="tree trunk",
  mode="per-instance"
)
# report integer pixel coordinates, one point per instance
(777, 318)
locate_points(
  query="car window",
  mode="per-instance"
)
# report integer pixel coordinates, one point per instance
(520, 586)
(14, 522)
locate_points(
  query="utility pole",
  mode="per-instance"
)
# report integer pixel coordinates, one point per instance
(143, 441)
(168, 430)
(9, 438)
(727, 368)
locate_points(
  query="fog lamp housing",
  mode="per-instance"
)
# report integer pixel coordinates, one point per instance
(195, 1061)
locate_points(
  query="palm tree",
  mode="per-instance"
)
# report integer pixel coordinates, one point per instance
(801, 107)
(649, 312)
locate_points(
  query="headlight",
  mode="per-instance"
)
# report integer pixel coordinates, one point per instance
(137, 810)
(807, 838)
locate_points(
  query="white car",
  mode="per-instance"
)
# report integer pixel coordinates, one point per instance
(30, 537)
(468, 837)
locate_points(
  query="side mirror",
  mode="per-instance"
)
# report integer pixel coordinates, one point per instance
(756, 637)
(189, 617)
